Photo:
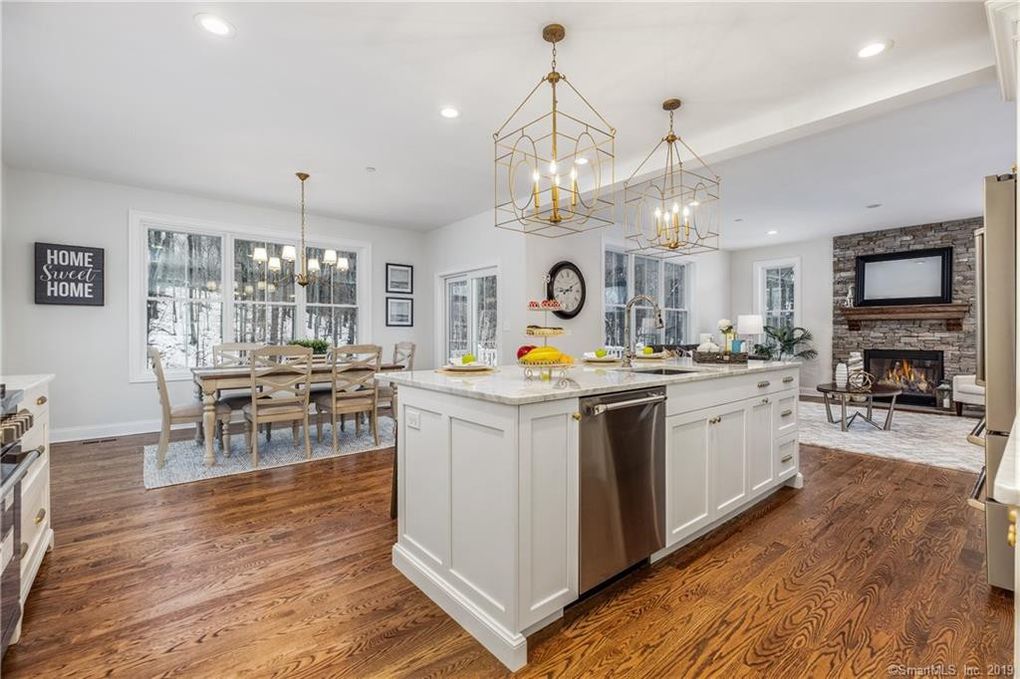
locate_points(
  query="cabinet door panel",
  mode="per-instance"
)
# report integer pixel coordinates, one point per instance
(687, 468)
(760, 449)
(728, 450)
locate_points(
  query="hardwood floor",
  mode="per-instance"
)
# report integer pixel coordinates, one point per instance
(287, 572)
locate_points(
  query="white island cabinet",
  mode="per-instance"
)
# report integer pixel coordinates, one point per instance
(488, 479)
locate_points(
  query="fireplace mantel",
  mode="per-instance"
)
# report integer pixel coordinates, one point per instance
(953, 314)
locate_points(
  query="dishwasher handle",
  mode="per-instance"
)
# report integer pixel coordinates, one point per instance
(600, 408)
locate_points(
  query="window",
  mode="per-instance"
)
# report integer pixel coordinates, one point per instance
(184, 304)
(265, 303)
(471, 321)
(201, 285)
(777, 285)
(667, 282)
(331, 312)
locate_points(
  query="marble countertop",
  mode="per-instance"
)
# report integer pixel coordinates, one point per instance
(1006, 485)
(508, 385)
(26, 381)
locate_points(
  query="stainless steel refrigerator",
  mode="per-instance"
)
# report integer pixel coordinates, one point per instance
(996, 275)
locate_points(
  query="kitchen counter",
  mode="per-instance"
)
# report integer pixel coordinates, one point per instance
(508, 385)
(489, 484)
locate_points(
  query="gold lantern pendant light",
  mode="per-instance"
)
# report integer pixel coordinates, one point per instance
(674, 213)
(553, 169)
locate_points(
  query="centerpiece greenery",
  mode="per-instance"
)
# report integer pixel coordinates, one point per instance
(783, 343)
(318, 346)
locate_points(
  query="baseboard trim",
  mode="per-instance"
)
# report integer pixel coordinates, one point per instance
(102, 431)
(509, 648)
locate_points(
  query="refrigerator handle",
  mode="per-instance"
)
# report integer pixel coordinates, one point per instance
(979, 299)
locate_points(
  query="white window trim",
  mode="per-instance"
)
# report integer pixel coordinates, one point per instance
(139, 222)
(610, 244)
(439, 326)
(759, 288)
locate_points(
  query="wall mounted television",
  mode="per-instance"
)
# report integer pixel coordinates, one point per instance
(903, 278)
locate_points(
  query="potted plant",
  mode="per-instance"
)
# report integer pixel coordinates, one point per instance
(784, 343)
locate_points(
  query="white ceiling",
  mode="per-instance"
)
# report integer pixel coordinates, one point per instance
(137, 93)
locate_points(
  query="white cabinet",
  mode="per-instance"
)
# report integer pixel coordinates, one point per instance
(721, 458)
(728, 454)
(688, 506)
(760, 444)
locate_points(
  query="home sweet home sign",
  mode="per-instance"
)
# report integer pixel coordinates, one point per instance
(69, 274)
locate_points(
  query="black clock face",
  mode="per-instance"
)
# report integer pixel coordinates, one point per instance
(566, 286)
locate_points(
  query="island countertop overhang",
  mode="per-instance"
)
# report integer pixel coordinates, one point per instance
(509, 386)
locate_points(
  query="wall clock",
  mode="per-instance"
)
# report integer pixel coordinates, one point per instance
(566, 286)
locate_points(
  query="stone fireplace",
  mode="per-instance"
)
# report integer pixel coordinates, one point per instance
(907, 337)
(917, 373)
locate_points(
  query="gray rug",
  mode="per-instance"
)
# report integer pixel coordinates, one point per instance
(184, 458)
(938, 440)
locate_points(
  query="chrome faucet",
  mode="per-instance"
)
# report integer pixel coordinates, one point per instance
(628, 337)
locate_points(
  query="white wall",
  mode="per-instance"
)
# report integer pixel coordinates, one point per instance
(87, 347)
(815, 290)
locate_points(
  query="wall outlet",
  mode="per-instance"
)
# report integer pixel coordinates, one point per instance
(413, 418)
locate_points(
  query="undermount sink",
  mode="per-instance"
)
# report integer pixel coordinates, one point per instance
(662, 371)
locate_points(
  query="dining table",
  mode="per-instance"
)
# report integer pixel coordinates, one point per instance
(210, 381)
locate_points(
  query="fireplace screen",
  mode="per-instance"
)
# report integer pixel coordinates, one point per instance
(917, 373)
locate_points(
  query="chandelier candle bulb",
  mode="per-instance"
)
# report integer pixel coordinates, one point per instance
(260, 255)
(289, 253)
(329, 257)
(274, 264)
(343, 264)
(313, 264)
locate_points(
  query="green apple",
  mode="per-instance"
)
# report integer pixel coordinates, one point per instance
(648, 351)
(600, 352)
(467, 358)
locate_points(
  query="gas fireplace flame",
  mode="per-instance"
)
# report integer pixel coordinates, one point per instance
(903, 375)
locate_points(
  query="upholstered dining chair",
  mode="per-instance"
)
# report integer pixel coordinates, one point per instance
(403, 354)
(190, 413)
(280, 380)
(354, 390)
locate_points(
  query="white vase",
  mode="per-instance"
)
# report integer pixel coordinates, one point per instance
(841, 375)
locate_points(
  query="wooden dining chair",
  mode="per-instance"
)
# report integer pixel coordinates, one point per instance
(190, 413)
(403, 354)
(280, 380)
(233, 353)
(354, 390)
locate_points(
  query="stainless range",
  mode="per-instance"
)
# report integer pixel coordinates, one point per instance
(14, 464)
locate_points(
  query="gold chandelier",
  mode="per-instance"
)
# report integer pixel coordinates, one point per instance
(674, 213)
(553, 167)
(308, 267)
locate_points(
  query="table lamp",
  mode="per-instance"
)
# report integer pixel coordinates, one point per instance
(748, 324)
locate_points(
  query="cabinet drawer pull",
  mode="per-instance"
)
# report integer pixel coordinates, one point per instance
(41, 401)
(715, 420)
(1011, 535)
(23, 550)
(786, 413)
(764, 401)
(786, 459)
(788, 379)
(763, 384)
(40, 515)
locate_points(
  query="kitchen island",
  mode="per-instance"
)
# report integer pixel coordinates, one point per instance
(488, 482)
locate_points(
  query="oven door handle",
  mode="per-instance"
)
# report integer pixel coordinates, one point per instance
(19, 473)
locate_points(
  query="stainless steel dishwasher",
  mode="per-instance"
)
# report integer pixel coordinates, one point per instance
(622, 482)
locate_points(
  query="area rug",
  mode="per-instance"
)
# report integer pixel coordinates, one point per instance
(184, 458)
(939, 440)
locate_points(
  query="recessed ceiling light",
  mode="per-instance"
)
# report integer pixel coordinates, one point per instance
(581, 161)
(369, 169)
(215, 25)
(873, 49)
(872, 206)
(771, 232)
(449, 112)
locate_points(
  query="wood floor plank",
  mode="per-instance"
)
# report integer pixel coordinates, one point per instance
(287, 573)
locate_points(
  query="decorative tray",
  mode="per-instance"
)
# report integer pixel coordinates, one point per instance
(544, 332)
(719, 357)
